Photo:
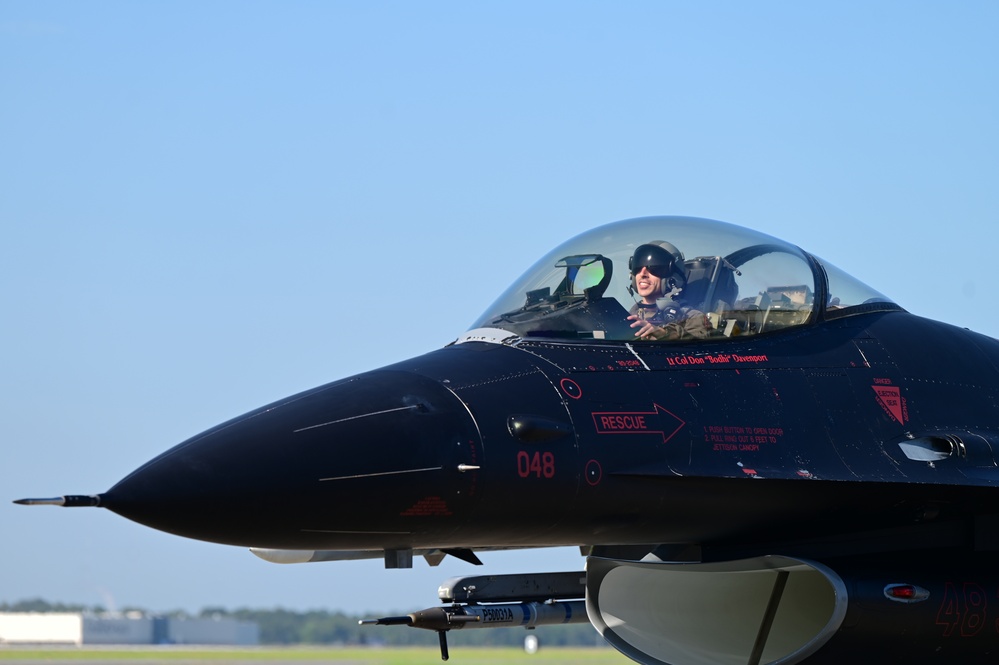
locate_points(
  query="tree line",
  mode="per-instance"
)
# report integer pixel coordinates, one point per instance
(321, 627)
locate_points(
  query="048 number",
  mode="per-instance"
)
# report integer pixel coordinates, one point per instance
(539, 465)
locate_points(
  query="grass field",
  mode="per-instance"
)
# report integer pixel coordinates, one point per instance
(345, 656)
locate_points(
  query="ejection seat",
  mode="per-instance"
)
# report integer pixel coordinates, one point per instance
(711, 288)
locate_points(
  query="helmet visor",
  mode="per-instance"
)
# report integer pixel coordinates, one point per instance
(657, 260)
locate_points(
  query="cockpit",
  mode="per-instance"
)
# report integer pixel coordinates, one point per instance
(735, 281)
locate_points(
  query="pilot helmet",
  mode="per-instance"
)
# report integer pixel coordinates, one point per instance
(663, 260)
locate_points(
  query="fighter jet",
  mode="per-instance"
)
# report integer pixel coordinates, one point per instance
(763, 459)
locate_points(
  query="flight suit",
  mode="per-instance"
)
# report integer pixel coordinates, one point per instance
(673, 322)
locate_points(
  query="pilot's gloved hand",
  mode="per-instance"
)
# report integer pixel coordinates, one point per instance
(645, 329)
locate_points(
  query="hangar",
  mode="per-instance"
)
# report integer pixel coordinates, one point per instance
(78, 628)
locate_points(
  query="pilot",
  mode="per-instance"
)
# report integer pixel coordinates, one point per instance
(661, 313)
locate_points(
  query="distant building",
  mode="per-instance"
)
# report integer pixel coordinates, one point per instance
(80, 628)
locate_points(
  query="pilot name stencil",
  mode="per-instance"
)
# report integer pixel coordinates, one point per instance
(715, 359)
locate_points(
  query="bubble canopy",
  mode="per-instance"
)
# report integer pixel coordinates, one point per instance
(739, 281)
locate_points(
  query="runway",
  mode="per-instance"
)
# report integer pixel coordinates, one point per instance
(173, 655)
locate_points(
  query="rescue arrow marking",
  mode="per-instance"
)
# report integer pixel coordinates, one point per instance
(659, 421)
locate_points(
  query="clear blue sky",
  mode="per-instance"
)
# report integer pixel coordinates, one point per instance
(208, 206)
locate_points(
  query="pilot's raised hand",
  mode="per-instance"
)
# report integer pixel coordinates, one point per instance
(645, 329)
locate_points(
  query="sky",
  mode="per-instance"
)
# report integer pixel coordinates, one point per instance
(208, 206)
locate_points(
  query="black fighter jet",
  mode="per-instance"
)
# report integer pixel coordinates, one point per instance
(763, 459)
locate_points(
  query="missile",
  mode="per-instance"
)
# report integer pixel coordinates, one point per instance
(498, 615)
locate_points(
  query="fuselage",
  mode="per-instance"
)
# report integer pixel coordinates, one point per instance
(785, 437)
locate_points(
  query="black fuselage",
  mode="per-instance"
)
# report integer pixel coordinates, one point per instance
(791, 438)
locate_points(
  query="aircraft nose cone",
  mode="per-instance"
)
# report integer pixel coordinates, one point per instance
(318, 469)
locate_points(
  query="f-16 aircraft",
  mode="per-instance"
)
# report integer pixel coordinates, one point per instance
(763, 460)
